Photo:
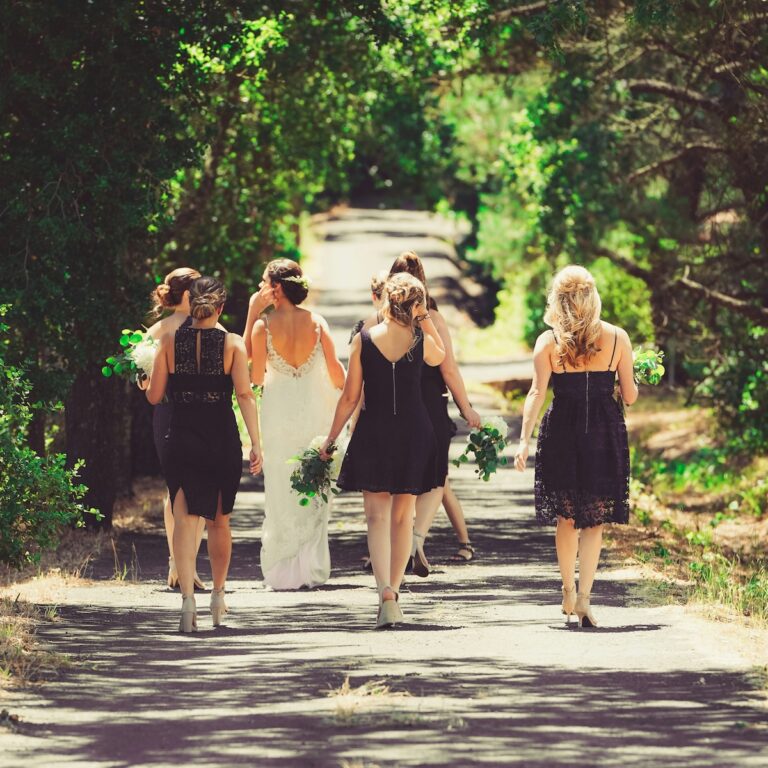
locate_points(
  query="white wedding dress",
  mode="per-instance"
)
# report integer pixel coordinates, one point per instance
(297, 405)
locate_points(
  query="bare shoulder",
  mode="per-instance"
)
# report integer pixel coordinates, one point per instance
(259, 326)
(371, 321)
(546, 341)
(355, 344)
(235, 341)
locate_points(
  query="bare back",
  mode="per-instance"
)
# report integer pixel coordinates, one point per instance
(294, 334)
(607, 358)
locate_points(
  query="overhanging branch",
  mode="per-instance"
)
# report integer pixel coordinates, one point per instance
(672, 159)
(522, 10)
(676, 92)
(739, 306)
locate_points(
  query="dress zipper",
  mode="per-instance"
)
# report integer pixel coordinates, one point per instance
(394, 391)
(586, 421)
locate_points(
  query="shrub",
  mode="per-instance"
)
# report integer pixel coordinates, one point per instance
(38, 494)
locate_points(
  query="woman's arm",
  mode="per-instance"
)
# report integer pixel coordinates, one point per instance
(542, 371)
(434, 349)
(629, 391)
(451, 374)
(335, 368)
(353, 387)
(258, 302)
(246, 400)
(258, 352)
(159, 381)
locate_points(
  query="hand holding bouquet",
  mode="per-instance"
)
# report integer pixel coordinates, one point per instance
(314, 474)
(487, 443)
(136, 358)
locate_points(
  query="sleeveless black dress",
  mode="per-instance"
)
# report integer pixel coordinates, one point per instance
(161, 419)
(582, 454)
(393, 447)
(203, 453)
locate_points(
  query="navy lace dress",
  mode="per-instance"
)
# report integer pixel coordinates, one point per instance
(582, 454)
(393, 447)
(203, 455)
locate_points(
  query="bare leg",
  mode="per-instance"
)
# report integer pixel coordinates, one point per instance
(401, 535)
(378, 514)
(184, 532)
(590, 543)
(567, 545)
(219, 547)
(168, 519)
(455, 513)
(426, 508)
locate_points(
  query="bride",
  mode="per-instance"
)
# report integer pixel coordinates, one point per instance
(293, 356)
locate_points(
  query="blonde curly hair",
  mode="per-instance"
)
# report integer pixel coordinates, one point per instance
(402, 293)
(573, 313)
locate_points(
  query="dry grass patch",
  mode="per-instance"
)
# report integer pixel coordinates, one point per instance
(374, 695)
(22, 661)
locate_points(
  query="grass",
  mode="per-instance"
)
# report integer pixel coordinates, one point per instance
(372, 695)
(700, 514)
(22, 660)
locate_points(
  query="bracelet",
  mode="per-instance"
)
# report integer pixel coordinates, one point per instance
(422, 318)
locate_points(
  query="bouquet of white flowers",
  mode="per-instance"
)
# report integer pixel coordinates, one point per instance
(488, 444)
(136, 357)
(314, 475)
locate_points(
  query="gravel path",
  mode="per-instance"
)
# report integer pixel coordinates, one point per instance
(485, 672)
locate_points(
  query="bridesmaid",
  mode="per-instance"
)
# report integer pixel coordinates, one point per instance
(172, 294)
(435, 384)
(391, 456)
(582, 457)
(199, 365)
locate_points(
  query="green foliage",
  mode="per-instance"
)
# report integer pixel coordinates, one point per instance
(38, 495)
(487, 445)
(648, 368)
(312, 477)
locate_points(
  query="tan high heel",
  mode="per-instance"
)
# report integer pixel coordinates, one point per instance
(173, 574)
(188, 622)
(389, 611)
(584, 612)
(198, 582)
(569, 602)
(420, 563)
(218, 606)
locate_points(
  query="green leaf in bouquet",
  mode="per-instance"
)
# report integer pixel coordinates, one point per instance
(463, 459)
(324, 497)
(135, 337)
(106, 371)
(304, 502)
(126, 332)
(119, 368)
(111, 360)
(311, 494)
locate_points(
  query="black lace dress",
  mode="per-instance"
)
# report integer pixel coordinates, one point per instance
(582, 454)
(203, 455)
(393, 447)
(161, 419)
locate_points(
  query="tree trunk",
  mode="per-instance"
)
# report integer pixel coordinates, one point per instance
(98, 431)
(36, 433)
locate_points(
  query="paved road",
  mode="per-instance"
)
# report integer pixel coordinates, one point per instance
(485, 672)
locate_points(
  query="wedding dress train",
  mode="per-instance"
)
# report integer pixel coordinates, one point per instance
(297, 405)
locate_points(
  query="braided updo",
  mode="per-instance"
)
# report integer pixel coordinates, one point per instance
(289, 275)
(409, 261)
(206, 296)
(403, 292)
(170, 292)
(573, 312)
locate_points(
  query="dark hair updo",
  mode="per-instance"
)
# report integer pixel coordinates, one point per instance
(206, 296)
(410, 263)
(288, 274)
(170, 292)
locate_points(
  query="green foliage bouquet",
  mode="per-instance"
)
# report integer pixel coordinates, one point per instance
(488, 444)
(314, 475)
(136, 357)
(647, 366)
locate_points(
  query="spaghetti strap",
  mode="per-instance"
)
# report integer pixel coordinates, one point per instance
(615, 335)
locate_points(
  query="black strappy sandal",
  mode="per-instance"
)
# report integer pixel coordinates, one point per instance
(464, 547)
